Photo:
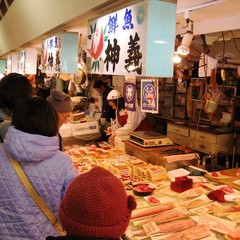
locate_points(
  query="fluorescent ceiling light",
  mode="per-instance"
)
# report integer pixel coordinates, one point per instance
(160, 41)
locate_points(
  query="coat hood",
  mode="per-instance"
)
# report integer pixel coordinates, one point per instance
(30, 147)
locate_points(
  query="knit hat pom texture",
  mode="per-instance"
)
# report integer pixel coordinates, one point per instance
(96, 205)
(61, 101)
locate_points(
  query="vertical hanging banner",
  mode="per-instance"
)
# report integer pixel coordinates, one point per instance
(149, 96)
(60, 54)
(137, 40)
(2, 66)
(27, 61)
(12, 63)
(22, 61)
(129, 89)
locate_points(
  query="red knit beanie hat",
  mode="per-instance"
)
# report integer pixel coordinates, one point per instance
(96, 205)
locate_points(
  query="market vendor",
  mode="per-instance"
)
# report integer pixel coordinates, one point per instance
(126, 121)
(108, 112)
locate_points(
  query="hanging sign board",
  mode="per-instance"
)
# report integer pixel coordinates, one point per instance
(27, 61)
(137, 40)
(2, 66)
(12, 63)
(130, 91)
(60, 54)
(149, 95)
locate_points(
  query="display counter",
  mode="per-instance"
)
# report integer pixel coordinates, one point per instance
(79, 132)
(230, 180)
(209, 209)
(159, 155)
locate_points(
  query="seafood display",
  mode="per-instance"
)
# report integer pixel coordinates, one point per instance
(169, 206)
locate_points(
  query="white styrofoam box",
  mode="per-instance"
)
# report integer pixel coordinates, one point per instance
(84, 128)
(118, 142)
(65, 130)
(75, 100)
(179, 172)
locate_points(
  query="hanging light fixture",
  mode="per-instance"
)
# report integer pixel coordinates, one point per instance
(183, 49)
(176, 58)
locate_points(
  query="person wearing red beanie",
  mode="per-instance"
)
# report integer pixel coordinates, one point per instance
(95, 206)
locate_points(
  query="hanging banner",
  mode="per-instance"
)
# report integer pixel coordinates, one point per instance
(130, 91)
(2, 66)
(22, 61)
(149, 95)
(12, 63)
(60, 54)
(137, 40)
(27, 61)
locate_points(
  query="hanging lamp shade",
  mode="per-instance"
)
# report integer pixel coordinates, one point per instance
(177, 58)
(183, 49)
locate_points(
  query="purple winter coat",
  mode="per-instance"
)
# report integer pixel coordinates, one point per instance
(50, 172)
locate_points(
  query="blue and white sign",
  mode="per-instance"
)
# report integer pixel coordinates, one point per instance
(149, 95)
(130, 90)
(12, 63)
(135, 41)
(27, 61)
(60, 53)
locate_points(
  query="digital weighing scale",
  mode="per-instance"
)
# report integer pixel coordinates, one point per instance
(149, 139)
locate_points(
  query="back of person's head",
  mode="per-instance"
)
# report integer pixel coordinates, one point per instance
(60, 101)
(43, 92)
(99, 83)
(13, 87)
(96, 205)
(35, 115)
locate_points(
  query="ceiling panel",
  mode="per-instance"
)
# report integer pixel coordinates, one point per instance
(208, 15)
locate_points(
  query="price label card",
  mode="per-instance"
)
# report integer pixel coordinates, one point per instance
(151, 228)
(208, 223)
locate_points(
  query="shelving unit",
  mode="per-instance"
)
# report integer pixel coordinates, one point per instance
(180, 106)
(166, 99)
(222, 96)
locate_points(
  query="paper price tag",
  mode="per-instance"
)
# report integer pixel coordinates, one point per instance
(184, 211)
(208, 223)
(151, 228)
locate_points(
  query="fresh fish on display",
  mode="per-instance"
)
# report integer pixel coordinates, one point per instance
(152, 211)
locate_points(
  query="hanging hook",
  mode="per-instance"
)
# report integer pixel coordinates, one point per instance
(187, 19)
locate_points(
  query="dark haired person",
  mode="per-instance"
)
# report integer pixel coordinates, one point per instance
(107, 112)
(32, 141)
(13, 87)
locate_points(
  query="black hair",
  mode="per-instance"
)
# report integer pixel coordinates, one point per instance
(35, 115)
(43, 92)
(13, 87)
(120, 103)
(99, 83)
